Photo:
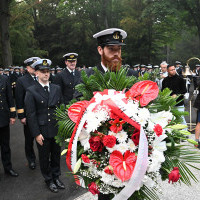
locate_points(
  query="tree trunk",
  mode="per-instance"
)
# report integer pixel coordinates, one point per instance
(4, 33)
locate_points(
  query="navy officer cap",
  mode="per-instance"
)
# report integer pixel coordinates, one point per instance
(71, 56)
(197, 65)
(111, 36)
(143, 66)
(41, 64)
(177, 62)
(31, 60)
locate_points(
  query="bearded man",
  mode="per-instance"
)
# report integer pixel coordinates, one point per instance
(110, 42)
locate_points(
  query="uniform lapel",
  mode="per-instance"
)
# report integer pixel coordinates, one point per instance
(41, 90)
(52, 93)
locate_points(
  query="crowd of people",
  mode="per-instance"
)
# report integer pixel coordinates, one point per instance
(32, 93)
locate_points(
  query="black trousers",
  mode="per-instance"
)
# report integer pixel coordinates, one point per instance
(104, 196)
(29, 141)
(5, 147)
(49, 157)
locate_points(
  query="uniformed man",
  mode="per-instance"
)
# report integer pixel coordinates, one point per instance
(1, 71)
(13, 78)
(6, 72)
(143, 70)
(69, 77)
(149, 68)
(7, 116)
(58, 70)
(41, 101)
(52, 75)
(22, 84)
(179, 69)
(110, 42)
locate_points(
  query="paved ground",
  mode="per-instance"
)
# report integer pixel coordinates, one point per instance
(30, 185)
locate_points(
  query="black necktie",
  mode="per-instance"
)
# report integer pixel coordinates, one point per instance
(72, 73)
(46, 89)
(35, 78)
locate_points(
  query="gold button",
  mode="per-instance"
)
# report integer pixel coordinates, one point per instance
(49, 120)
(1, 101)
(70, 83)
(48, 108)
(42, 101)
(48, 114)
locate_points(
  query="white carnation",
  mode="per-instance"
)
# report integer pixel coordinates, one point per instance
(121, 136)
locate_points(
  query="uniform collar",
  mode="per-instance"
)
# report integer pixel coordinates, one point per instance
(104, 67)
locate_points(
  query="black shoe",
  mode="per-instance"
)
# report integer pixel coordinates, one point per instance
(11, 172)
(52, 187)
(59, 184)
(32, 165)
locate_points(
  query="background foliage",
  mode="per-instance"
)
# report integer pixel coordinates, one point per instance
(157, 29)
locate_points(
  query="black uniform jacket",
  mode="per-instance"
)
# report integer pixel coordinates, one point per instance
(177, 85)
(40, 109)
(14, 77)
(7, 108)
(67, 82)
(130, 72)
(21, 86)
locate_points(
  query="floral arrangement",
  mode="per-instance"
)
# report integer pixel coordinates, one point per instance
(124, 143)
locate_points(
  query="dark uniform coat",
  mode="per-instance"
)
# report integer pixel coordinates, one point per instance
(177, 85)
(67, 82)
(130, 72)
(40, 109)
(7, 111)
(21, 86)
(7, 108)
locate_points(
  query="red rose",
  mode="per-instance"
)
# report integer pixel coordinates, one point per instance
(93, 188)
(108, 170)
(136, 136)
(96, 144)
(85, 158)
(174, 175)
(109, 141)
(158, 129)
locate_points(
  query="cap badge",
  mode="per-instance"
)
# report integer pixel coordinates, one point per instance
(116, 36)
(44, 62)
(34, 60)
(72, 56)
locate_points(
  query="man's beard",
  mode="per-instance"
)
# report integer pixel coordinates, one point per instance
(110, 63)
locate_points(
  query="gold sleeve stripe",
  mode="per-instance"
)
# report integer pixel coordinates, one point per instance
(12, 109)
(20, 111)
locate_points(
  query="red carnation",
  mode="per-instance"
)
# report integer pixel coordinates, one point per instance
(93, 188)
(96, 144)
(158, 129)
(109, 141)
(85, 158)
(136, 136)
(108, 170)
(116, 125)
(174, 175)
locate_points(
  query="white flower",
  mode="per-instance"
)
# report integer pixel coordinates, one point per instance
(107, 178)
(121, 136)
(150, 126)
(110, 150)
(158, 156)
(148, 181)
(131, 145)
(111, 133)
(161, 118)
(84, 139)
(143, 116)
(123, 147)
(132, 109)
(117, 183)
(92, 122)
